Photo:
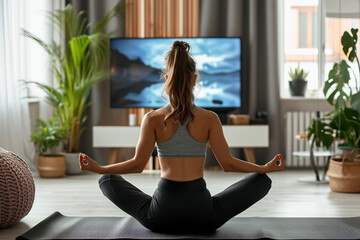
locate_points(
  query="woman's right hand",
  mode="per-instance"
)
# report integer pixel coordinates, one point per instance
(88, 164)
(276, 164)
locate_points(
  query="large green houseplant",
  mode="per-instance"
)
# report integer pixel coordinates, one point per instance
(343, 123)
(79, 61)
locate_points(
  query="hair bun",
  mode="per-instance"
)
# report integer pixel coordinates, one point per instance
(181, 44)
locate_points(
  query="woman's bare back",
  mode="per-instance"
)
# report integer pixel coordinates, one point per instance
(181, 168)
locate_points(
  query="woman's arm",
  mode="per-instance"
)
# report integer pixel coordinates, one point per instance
(144, 148)
(227, 161)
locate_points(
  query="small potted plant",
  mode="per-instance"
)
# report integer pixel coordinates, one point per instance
(298, 81)
(46, 138)
(343, 123)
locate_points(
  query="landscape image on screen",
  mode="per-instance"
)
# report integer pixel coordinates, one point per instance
(136, 67)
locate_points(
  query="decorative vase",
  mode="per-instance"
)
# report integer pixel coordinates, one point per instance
(72, 163)
(51, 166)
(344, 176)
(298, 87)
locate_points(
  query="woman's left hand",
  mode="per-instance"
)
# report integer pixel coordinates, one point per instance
(88, 164)
(276, 164)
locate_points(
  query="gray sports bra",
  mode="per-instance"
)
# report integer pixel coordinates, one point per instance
(181, 144)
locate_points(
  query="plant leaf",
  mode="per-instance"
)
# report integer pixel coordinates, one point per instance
(349, 42)
(321, 131)
(78, 46)
(337, 84)
(355, 101)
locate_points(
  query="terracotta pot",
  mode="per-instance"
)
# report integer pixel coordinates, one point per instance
(51, 166)
(344, 176)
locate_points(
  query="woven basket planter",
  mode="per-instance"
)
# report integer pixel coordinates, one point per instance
(344, 176)
(17, 188)
(51, 166)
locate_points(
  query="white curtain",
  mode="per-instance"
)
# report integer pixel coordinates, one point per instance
(19, 62)
(14, 111)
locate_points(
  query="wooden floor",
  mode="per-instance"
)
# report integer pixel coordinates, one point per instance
(80, 196)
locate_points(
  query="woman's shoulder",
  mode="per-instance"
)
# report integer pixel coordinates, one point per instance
(151, 113)
(156, 114)
(208, 114)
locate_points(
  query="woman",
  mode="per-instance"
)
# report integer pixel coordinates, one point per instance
(181, 132)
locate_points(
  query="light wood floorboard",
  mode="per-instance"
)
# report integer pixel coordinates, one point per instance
(81, 196)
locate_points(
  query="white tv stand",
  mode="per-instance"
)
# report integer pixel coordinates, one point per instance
(241, 136)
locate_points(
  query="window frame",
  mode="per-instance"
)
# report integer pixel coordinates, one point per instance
(319, 44)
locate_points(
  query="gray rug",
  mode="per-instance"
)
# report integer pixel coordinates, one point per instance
(57, 226)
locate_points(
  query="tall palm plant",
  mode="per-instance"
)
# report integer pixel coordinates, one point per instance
(79, 61)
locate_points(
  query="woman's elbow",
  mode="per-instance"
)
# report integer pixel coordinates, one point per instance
(139, 168)
(228, 169)
(226, 166)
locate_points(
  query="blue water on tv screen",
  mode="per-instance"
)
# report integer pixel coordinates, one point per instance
(136, 66)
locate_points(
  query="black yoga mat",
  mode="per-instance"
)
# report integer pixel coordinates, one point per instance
(57, 226)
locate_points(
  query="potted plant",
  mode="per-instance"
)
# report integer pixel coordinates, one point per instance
(46, 138)
(298, 81)
(343, 123)
(79, 62)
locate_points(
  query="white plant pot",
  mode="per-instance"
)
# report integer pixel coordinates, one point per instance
(72, 164)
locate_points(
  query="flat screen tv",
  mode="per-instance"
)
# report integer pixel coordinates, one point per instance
(136, 66)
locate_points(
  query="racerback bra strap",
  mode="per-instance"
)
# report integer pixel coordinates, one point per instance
(181, 143)
(168, 107)
(187, 120)
(185, 123)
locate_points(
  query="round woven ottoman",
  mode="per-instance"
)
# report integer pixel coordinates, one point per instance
(17, 188)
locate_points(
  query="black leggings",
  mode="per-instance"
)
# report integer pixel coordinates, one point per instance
(184, 206)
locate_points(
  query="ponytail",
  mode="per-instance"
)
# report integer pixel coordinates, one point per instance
(181, 69)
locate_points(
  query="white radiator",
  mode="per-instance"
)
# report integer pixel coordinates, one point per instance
(298, 122)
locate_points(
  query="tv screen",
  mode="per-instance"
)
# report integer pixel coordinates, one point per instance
(136, 66)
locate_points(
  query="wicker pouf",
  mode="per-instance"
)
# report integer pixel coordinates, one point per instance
(17, 188)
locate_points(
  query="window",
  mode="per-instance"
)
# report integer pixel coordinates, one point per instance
(38, 22)
(309, 24)
(303, 43)
(335, 25)
(300, 40)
